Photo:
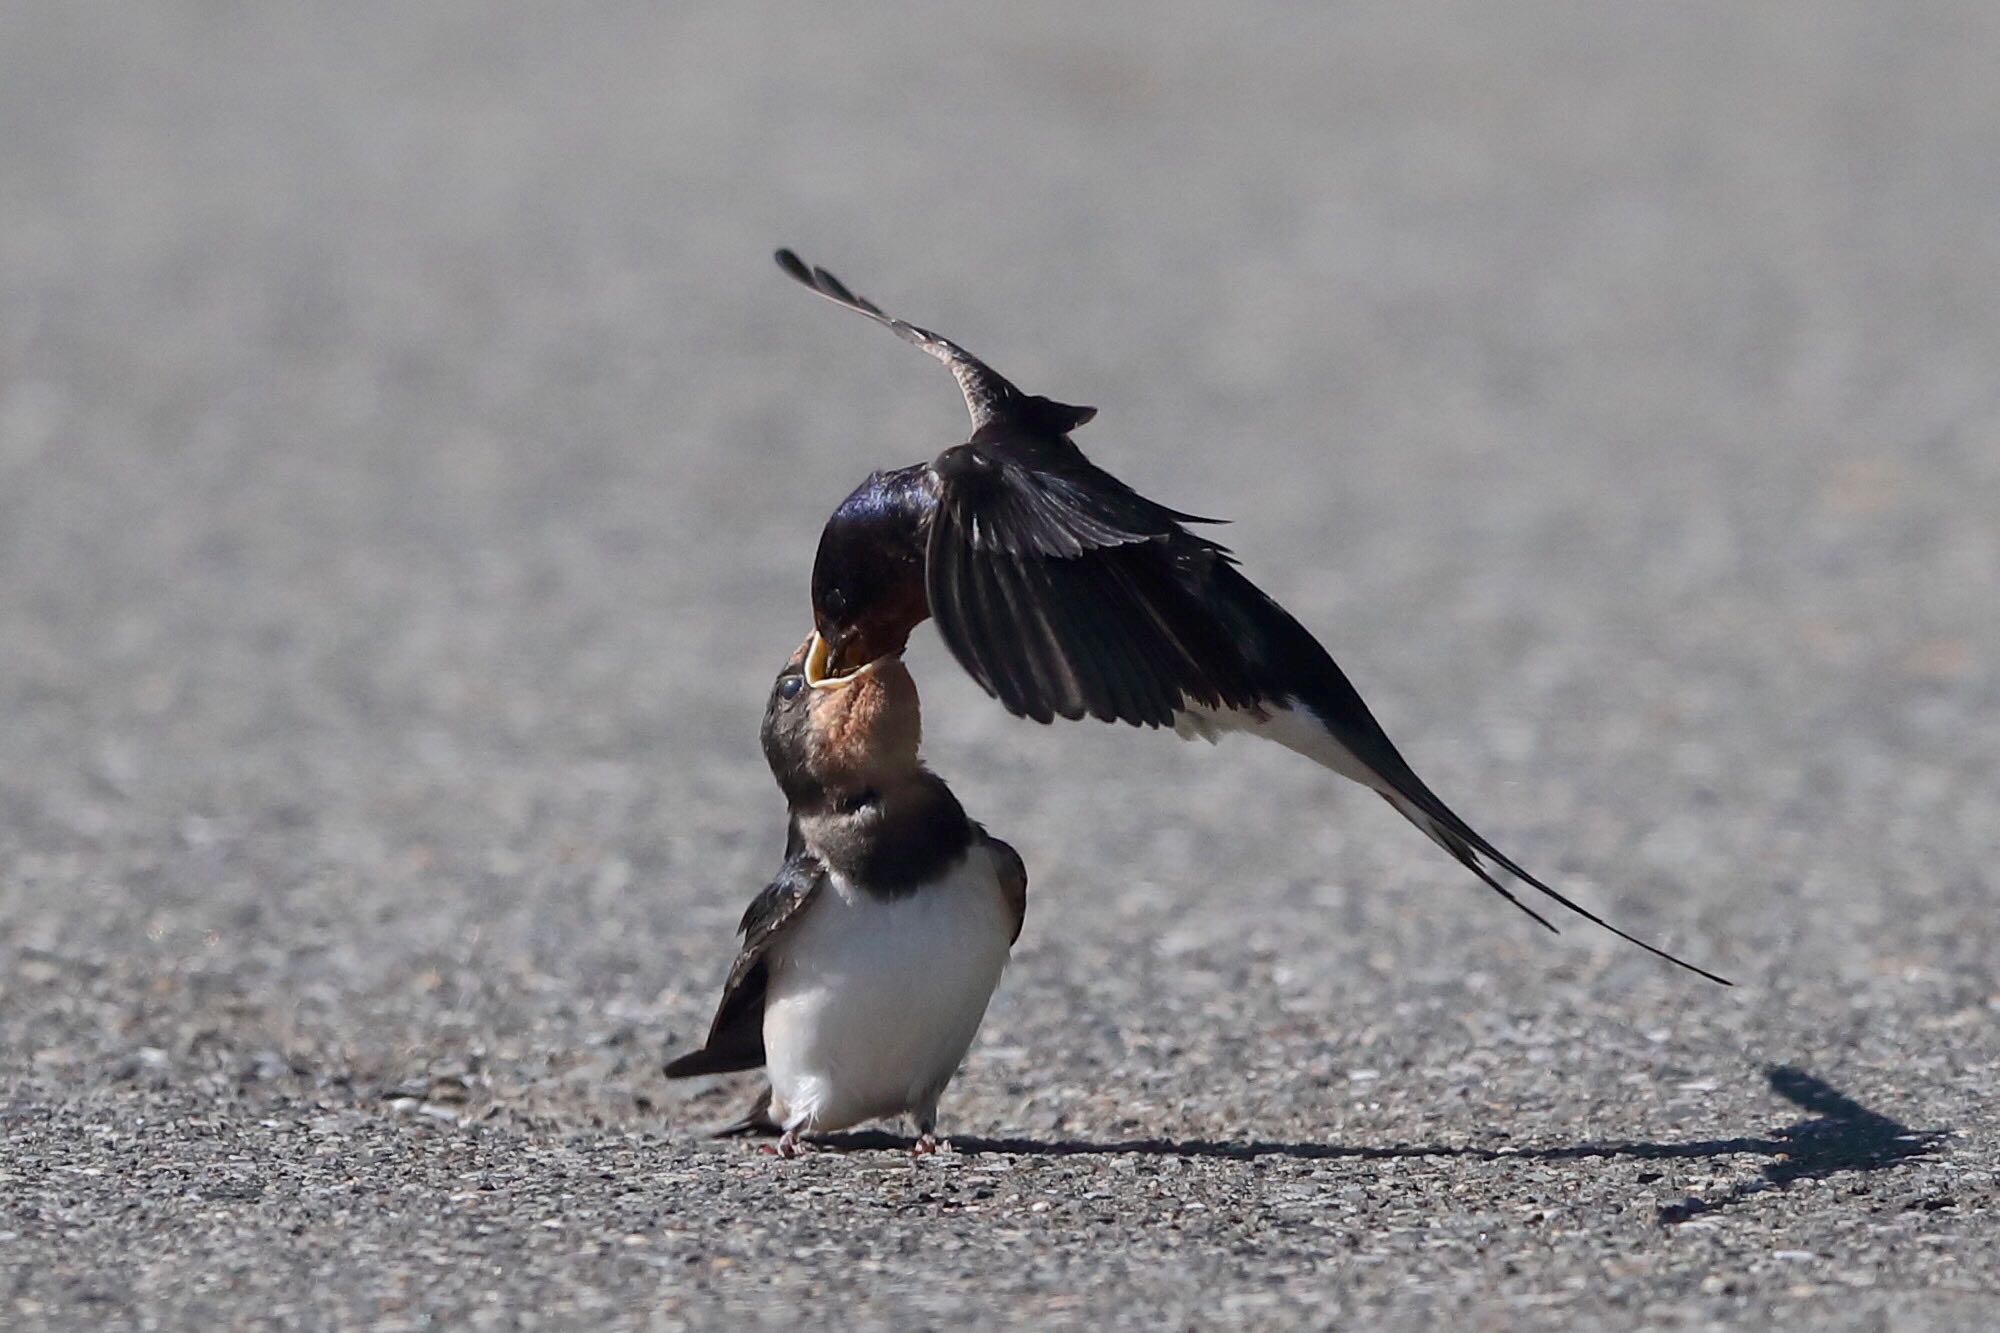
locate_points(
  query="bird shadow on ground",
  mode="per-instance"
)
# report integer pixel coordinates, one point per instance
(1839, 1135)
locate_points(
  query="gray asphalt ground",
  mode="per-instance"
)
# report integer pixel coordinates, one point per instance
(410, 464)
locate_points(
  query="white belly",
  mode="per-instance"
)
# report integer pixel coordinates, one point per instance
(874, 1002)
(1291, 724)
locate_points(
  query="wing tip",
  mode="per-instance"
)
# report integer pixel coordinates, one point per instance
(692, 1065)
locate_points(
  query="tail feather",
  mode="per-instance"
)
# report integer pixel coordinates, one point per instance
(1353, 745)
(1442, 826)
(1461, 851)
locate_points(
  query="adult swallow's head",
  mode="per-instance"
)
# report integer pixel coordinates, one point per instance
(868, 576)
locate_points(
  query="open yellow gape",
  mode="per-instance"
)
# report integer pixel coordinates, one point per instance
(817, 659)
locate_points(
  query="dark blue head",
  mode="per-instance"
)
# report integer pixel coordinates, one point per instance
(868, 579)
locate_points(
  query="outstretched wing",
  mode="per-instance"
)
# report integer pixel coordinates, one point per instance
(736, 1037)
(1065, 593)
(988, 396)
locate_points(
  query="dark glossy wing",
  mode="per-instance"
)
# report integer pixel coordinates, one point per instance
(1065, 593)
(736, 1036)
(988, 396)
(1013, 881)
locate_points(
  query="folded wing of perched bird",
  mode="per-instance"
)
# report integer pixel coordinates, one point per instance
(736, 1035)
(1065, 593)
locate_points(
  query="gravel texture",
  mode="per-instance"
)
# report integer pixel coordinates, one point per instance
(410, 464)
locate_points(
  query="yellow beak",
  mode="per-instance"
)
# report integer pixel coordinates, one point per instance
(817, 659)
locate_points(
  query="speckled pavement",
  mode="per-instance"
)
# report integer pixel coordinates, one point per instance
(410, 465)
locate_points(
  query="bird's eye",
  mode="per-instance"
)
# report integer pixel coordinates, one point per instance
(789, 686)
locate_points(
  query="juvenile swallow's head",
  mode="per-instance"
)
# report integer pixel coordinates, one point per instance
(829, 737)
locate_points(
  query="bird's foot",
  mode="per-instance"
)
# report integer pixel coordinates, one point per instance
(927, 1143)
(787, 1146)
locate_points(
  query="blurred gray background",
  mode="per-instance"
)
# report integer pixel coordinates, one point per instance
(410, 465)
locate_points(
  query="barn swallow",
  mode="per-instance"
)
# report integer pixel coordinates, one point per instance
(868, 962)
(1065, 593)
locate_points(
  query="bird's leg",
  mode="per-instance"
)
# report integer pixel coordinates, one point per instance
(787, 1146)
(927, 1141)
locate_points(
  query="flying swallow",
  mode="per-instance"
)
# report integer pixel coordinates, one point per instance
(1065, 593)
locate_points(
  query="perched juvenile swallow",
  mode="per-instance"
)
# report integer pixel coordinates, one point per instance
(867, 963)
(1065, 593)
